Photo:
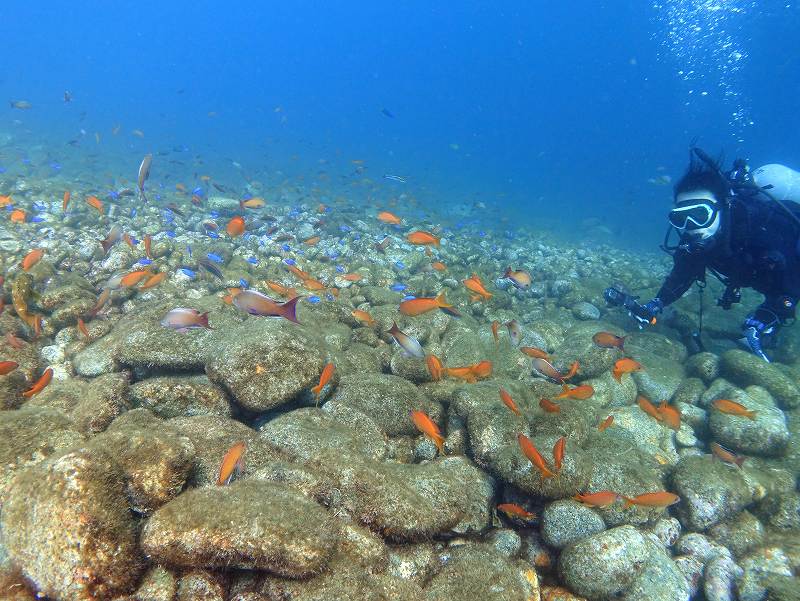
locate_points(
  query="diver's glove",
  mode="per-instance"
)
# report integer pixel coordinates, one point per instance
(754, 329)
(646, 314)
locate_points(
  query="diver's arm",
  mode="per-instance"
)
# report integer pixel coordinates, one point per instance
(686, 269)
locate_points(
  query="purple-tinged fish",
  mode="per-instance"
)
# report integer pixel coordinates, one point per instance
(514, 331)
(184, 320)
(410, 345)
(112, 238)
(144, 173)
(255, 303)
(544, 367)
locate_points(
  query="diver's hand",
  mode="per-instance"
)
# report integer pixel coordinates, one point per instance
(753, 329)
(646, 314)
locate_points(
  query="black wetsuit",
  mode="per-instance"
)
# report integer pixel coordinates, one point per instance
(758, 247)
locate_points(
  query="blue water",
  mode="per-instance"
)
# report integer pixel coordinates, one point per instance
(549, 113)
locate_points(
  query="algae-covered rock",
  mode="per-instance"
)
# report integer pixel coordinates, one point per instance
(67, 526)
(759, 567)
(158, 584)
(621, 563)
(387, 399)
(180, 396)
(264, 526)
(767, 434)
(745, 369)
(91, 405)
(739, 533)
(705, 366)
(710, 491)
(565, 522)
(781, 511)
(409, 502)
(266, 363)
(29, 435)
(154, 458)
(660, 377)
(577, 345)
(212, 437)
(476, 571)
(202, 585)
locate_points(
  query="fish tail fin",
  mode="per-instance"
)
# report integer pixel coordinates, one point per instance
(439, 441)
(441, 301)
(750, 415)
(106, 246)
(739, 460)
(617, 376)
(289, 309)
(317, 389)
(628, 502)
(202, 319)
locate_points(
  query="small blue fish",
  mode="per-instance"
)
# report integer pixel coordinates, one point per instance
(39, 206)
(38, 219)
(314, 299)
(345, 228)
(2, 169)
(252, 260)
(339, 269)
(188, 272)
(286, 248)
(134, 241)
(214, 214)
(113, 195)
(212, 234)
(198, 191)
(244, 283)
(329, 297)
(398, 287)
(399, 265)
(333, 255)
(290, 261)
(356, 236)
(55, 166)
(133, 212)
(189, 250)
(170, 233)
(216, 258)
(144, 262)
(409, 297)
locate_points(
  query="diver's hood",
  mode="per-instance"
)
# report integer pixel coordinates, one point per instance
(779, 181)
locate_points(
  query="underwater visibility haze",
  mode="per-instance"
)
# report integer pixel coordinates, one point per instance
(326, 300)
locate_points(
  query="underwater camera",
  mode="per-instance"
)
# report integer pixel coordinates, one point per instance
(617, 298)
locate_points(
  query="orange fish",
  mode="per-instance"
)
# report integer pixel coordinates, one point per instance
(280, 289)
(653, 499)
(298, 272)
(422, 238)
(725, 455)
(462, 373)
(148, 243)
(390, 218)
(232, 293)
(521, 279)
(352, 277)
(573, 369)
(313, 241)
(17, 216)
(40, 384)
(252, 203)
(533, 455)
(608, 340)
(133, 278)
(232, 464)
(6, 200)
(82, 328)
(509, 402)
(324, 378)
(549, 406)
(606, 423)
(32, 258)
(625, 366)
(95, 203)
(670, 415)
(439, 266)
(235, 227)
(602, 498)
(474, 284)
(426, 425)
(65, 201)
(648, 407)
(513, 510)
(495, 329)
(558, 453)
(534, 352)
(363, 317)
(418, 306)
(434, 367)
(580, 393)
(6, 367)
(312, 284)
(153, 280)
(733, 408)
(482, 369)
(180, 188)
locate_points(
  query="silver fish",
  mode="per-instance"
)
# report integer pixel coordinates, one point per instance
(410, 345)
(514, 331)
(545, 368)
(255, 303)
(184, 320)
(144, 173)
(395, 178)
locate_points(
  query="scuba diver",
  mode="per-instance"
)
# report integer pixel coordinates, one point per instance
(743, 227)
